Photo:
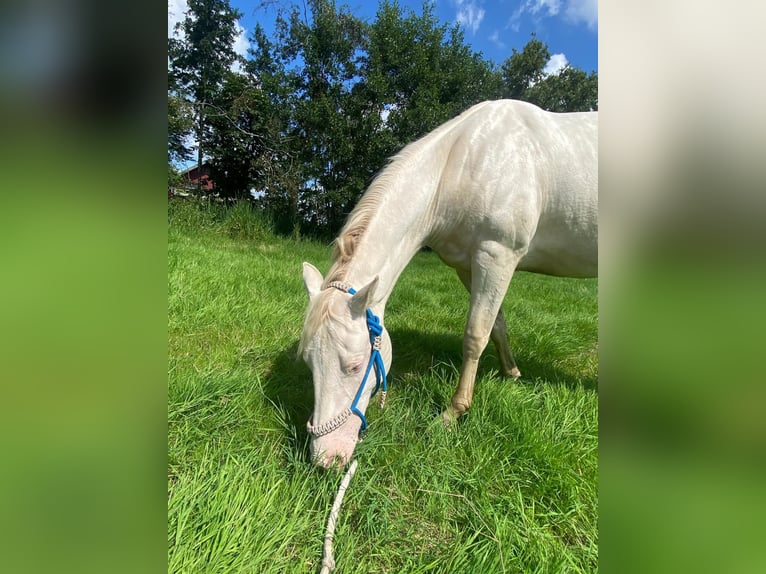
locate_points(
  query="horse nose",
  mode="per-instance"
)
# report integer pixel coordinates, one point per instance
(327, 457)
(336, 461)
(327, 461)
(329, 454)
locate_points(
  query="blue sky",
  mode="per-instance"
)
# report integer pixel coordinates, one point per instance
(492, 27)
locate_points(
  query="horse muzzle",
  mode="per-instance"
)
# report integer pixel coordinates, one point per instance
(337, 447)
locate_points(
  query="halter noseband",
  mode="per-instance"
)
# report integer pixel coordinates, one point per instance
(376, 360)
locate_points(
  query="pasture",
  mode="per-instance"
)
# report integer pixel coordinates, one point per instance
(512, 487)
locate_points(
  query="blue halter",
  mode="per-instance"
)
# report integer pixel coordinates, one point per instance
(376, 360)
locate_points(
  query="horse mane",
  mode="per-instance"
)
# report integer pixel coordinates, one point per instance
(359, 219)
(345, 244)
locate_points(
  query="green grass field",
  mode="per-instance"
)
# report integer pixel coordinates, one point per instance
(511, 488)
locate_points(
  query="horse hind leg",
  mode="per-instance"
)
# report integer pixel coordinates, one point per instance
(499, 334)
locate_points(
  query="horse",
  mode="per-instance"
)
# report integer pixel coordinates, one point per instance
(503, 186)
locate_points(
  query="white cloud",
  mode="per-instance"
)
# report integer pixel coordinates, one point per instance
(469, 14)
(515, 22)
(554, 66)
(583, 11)
(494, 37)
(241, 45)
(575, 11)
(551, 6)
(538, 8)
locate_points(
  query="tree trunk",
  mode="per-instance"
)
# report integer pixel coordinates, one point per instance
(199, 151)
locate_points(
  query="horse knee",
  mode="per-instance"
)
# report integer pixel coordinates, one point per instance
(474, 344)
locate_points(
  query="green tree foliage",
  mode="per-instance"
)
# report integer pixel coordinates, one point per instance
(321, 53)
(236, 143)
(180, 122)
(200, 60)
(524, 77)
(571, 90)
(280, 174)
(421, 73)
(525, 69)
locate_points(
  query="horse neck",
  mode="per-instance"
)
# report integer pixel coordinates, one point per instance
(397, 230)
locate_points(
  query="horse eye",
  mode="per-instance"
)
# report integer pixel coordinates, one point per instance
(354, 368)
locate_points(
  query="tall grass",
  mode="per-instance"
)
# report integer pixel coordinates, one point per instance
(239, 220)
(510, 488)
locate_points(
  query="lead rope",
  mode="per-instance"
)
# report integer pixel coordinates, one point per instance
(328, 561)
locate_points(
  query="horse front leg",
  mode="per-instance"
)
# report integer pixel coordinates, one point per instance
(499, 334)
(491, 272)
(499, 337)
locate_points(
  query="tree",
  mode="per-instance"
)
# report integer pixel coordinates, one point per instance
(421, 72)
(524, 77)
(180, 122)
(235, 143)
(523, 70)
(571, 90)
(321, 50)
(279, 188)
(200, 60)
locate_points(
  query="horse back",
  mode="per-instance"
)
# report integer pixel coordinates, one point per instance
(526, 178)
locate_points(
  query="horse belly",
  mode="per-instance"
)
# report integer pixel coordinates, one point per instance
(565, 242)
(564, 248)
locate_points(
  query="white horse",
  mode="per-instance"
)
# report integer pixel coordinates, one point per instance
(503, 186)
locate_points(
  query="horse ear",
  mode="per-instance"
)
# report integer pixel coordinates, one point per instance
(312, 279)
(363, 298)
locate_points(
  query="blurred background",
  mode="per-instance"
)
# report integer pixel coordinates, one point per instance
(681, 207)
(83, 290)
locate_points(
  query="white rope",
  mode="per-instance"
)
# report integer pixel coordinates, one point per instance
(328, 562)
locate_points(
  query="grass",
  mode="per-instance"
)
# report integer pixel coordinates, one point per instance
(511, 488)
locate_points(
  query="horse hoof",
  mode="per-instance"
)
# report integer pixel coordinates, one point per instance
(515, 373)
(449, 416)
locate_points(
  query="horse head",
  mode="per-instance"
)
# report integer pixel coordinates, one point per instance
(348, 352)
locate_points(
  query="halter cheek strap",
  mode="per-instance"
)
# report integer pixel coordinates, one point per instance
(375, 329)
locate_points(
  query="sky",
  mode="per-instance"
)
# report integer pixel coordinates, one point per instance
(492, 27)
